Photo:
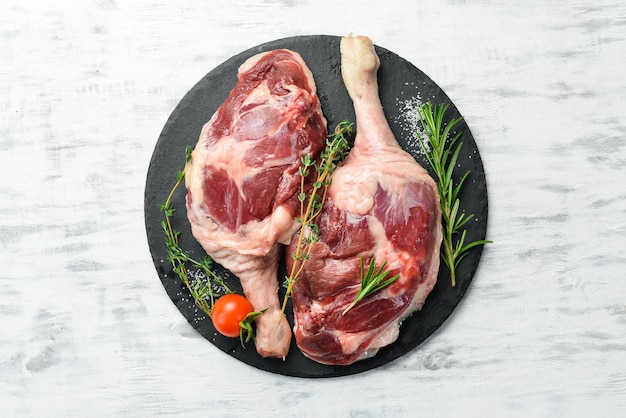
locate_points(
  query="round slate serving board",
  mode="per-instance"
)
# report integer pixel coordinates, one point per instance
(401, 86)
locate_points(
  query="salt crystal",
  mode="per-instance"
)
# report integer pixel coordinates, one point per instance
(409, 121)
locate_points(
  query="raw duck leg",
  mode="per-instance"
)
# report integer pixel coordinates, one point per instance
(381, 204)
(242, 181)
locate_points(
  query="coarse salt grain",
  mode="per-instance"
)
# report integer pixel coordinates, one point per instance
(409, 121)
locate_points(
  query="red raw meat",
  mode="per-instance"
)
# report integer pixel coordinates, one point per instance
(242, 181)
(381, 204)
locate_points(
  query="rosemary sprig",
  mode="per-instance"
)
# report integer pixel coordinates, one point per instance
(371, 281)
(442, 153)
(311, 204)
(201, 291)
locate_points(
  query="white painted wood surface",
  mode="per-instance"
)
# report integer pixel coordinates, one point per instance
(86, 328)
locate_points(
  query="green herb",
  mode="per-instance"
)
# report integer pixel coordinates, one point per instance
(311, 204)
(372, 281)
(246, 333)
(442, 153)
(201, 290)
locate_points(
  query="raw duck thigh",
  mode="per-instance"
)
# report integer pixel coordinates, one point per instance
(242, 180)
(381, 204)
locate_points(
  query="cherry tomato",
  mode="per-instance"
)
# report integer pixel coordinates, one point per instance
(228, 311)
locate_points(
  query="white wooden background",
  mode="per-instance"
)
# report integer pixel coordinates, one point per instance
(86, 328)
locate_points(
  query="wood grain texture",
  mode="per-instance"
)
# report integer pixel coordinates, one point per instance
(86, 328)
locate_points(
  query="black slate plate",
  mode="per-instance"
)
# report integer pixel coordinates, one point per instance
(400, 82)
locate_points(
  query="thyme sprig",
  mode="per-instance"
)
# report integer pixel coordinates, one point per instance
(372, 281)
(202, 291)
(442, 153)
(311, 203)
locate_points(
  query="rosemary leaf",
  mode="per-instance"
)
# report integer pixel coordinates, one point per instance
(438, 154)
(372, 281)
